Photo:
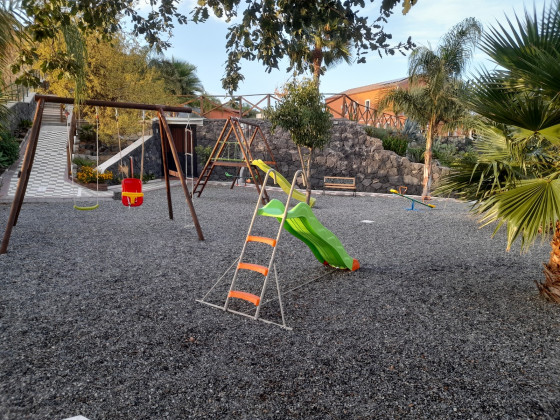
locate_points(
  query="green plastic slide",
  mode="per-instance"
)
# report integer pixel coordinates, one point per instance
(281, 181)
(302, 223)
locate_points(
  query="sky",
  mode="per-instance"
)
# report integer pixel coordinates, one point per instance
(203, 45)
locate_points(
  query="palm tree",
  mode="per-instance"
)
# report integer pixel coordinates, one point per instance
(179, 76)
(327, 48)
(433, 98)
(188, 82)
(320, 47)
(523, 97)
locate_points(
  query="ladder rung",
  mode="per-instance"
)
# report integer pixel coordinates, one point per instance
(269, 241)
(249, 297)
(253, 267)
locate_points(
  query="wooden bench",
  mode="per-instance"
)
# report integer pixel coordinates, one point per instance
(339, 182)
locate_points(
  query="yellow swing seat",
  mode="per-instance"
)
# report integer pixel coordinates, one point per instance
(132, 196)
(86, 207)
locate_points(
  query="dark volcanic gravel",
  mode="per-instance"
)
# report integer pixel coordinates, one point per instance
(98, 317)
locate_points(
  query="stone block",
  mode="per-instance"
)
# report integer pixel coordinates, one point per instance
(410, 180)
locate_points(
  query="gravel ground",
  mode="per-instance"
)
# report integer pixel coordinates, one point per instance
(98, 317)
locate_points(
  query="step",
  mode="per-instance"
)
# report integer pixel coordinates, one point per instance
(253, 267)
(249, 297)
(262, 239)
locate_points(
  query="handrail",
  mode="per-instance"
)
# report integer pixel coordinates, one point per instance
(351, 109)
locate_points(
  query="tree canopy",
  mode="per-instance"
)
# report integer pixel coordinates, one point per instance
(516, 179)
(302, 112)
(44, 20)
(179, 76)
(116, 72)
(269, 31)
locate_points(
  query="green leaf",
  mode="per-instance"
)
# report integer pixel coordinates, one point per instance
(528, 210)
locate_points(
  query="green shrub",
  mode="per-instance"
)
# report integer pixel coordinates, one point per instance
(203, 153)
(25, 124)
(395, 143)
(445, 153)
(4, 160)
(9, 149)
(469, 157)
(416, 154)
(83, 162)
(145, 177)
(378, 133)
(86, 133)
(412, 132)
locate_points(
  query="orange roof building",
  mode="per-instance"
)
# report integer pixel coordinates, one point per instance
(361, 104)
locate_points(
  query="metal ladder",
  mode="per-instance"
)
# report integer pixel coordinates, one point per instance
(256, 300)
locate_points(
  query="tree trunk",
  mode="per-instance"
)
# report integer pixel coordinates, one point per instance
(550, 289)
(317, 61)
(308, 179)
(427, 181)
(306, 172)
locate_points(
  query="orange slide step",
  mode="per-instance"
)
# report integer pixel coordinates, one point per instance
(249, 297)
(269, 241)
(253, 267)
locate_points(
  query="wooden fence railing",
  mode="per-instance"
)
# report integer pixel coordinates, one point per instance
(350, 109)
(246, 106)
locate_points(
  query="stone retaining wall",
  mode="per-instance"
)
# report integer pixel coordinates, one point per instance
(152, 156)
(350, 153)
(20, 111)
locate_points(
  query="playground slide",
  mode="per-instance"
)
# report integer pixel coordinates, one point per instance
(282, 182)
(302, 223)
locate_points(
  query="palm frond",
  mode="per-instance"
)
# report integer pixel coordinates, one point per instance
(528, 49)
(492, 97)
(458, 45)
(500, 165)
(413, 102)
(527, 210)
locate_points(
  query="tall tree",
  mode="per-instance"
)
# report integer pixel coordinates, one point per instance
(302, 112)
(10, 36)
(435, 86)
(45, 20)
(324, 47)
(179, 76)
(270, 30)
(117, 71)
(522, 96)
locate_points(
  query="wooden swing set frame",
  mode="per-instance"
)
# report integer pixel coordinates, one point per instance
(245, 143)
(165, 133)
